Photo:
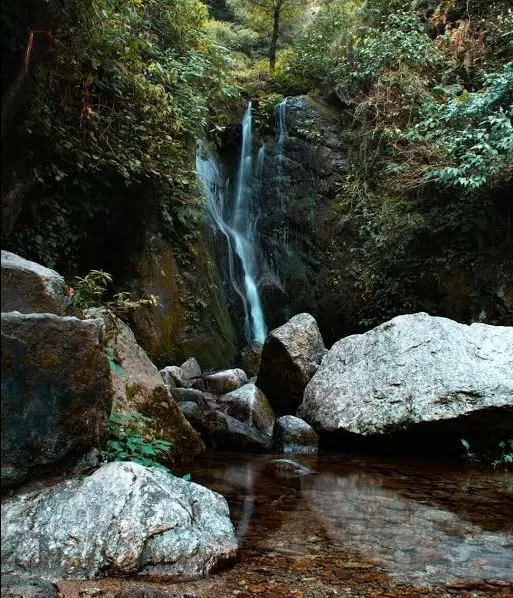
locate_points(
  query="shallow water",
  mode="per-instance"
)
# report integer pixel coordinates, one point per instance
(361, 527)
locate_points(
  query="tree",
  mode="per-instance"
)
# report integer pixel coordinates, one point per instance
(269, 15)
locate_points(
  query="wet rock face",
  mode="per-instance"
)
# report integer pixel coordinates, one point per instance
(290, 357)
(416, 370)
(124, 519)
(56, 393)
(28, 287)
(293, 435)
(302, 173)
(250, 358)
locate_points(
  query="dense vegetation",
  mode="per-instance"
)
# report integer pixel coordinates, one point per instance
(427, 93)
(106, 142)
(102, 112)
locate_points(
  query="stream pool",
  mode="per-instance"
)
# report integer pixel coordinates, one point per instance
(359, 526)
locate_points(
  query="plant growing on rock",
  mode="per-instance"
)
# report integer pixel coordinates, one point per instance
(127, 443)
(90, 291)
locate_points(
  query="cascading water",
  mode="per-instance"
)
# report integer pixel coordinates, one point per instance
(281, 123)
(236, 220)
(208, 173)
(280, 113)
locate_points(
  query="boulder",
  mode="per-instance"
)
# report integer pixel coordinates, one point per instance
(167, 377)
(249, 405)
(229, 433)
(139, 388)
(191, 368)
(195, 415)
(417, 373)
(173, 376)
(181, 395)
(250, 357)
(225, 381)
(56, 393)
(28, 287)
(290, 357)
(124, 519)
(188, 375)
(25, 586)
(293, 435)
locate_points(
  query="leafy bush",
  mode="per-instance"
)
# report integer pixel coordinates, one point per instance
(116, 105)
(127, 443)
(90, 291)
(471, 132)
(499, 458)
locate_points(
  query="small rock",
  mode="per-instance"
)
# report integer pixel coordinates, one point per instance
(287, 468)
(22, 586)
(226, 380)
(91, 592)
(293, 435)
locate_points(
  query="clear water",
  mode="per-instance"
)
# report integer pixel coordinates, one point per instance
(426, 524)
(359, 527)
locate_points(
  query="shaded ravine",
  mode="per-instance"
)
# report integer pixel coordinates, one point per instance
(359, 527)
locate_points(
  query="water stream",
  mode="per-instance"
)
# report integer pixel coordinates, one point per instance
(236, 217)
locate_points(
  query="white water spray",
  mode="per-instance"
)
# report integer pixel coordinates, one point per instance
(238, 224)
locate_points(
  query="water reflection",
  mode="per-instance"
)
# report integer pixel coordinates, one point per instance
(414, 542)
(422, 525)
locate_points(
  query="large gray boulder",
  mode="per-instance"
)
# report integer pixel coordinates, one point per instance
(248, 404)
(124, 519)
(290, 357)
(416, 369)
(28, 287)
(56, 393)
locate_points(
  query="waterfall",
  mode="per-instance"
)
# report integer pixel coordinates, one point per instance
(280, 113)
(237, 220)
(281, 122)
(210, 178)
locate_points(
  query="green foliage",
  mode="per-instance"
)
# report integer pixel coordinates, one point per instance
(472, 133)
(90, 291)
(264, 116)
(128, 443)
(430, 103)
(117, 103)
(313, 58)
(499, 458)
(271, 19)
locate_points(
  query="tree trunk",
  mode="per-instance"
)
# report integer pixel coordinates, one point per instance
(274, 38)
